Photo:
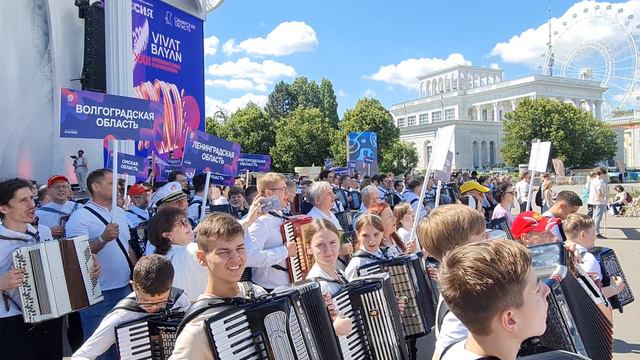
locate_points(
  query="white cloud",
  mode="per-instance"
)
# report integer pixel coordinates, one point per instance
(369, 93)
(341, 93)
(287, 38)
(494, 66)
(406, 72)
(264, 72)
(575, 26)
(211, 45)
(236, 84)
(229, 47)
(212, 105)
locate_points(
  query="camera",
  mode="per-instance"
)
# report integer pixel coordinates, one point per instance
(270, 203)
(73, 157)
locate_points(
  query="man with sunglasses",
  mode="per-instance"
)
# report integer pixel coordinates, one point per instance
(152, 293)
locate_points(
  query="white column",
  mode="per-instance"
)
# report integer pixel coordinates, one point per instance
(513, 104)
(479, 113)
(598, 104)
(576, 102)
(495, 111)
(118, 47)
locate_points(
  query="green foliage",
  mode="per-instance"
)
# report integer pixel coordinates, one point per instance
(399, 158)
(307, 93)
(281, 102)
(329, 102)
(302, 140)
(368, 115)
(577, 138)
(212, 126)
(251, 128)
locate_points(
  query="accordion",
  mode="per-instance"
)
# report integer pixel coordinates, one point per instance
(501, 224)
(138, 238)
(575, 323)
(377, 331)
(292, 230)
(611, 267)
(57, 278)
(292, 323)
(152, 337)
(409, 281)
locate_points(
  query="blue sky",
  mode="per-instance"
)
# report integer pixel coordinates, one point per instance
(369, 48)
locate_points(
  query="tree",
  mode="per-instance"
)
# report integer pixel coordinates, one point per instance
(281, 102)
(577, 138)
(302, 140)
(212, 126)
(307, 93)
(329, 102)
(252, 128)
(399, 158)
(368, 115)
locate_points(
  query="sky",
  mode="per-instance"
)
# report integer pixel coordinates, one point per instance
(371, 48)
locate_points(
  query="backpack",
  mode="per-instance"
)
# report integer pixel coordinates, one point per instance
(539, 197)
(629, 198)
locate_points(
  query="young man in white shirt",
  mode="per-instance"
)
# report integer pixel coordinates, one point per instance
(20, 340)
(55, 213)
(522, 190)
(221, 249)
(266, 251)
(152, 293)
(108, 231)
(501, 302)
(598, 199)
(198, 203)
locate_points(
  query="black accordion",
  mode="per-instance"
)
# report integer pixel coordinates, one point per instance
(575, 323)
(377, 331)
(152, 337)
(138, 238)
(291, 323)
(409, 281)
(611, 267)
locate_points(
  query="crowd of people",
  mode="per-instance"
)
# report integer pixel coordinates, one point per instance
(161, 248)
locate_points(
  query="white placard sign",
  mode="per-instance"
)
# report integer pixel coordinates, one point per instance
(539, 157)
(441, 148)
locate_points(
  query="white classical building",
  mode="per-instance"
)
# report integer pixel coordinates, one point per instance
(475, 99)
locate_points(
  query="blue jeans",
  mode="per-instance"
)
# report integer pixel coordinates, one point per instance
(93, 315)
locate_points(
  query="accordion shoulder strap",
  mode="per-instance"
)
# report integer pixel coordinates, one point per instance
(138, 215)
(117, 239)
(457, 342)
(200, 306)
(442, 311)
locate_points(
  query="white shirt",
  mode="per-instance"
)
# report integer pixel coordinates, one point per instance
(357, 262)
(105, 334)
(114, 268)
(556, 229)
(7, 247)
(317, 274)
(404, 234)
(382, 192)
(192, 343)
(81, 165)
(597, 185)
(265, 248)
(50, 213)
(316, 213)
(589, 264)
(522, 191)
(458, 352)
(452, 330)
(194, 209)
(135, 215)
(189, 275)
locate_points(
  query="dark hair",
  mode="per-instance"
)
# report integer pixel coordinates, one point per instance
(343, 178)
(163, 221)
(569, 197)
(198, 182)
(174, 175)
(8, 189)
(96, 176)
(236, 190)
(397, 182)
(153, 275)
(324, 174)
(501, 191)
(413, 184)
(250, 193)
(619, 188)
(306, 182)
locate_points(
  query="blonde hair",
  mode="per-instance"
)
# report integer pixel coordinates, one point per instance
(217, 227)
(547, 184)
(574, 223)
(480, 280)
(448, 227)
(311, 229)
(399, 211)
(268, 180)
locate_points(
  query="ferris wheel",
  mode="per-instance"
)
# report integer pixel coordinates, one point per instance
(600, 43)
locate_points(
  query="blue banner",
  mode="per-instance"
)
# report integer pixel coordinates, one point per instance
(254, 162)
(217, 179)
(91, 115)
(339, 171)
(207, 153)
(168, 51)
(328, 164)
(362, 148)
(131, 165)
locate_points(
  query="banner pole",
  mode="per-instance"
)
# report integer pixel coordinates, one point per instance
(438, 190)
(125, 196)
(114, 169)
(205, 195)
(533, 176)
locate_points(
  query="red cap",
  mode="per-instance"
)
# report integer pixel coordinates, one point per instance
(136, 189)
(529, 221)
(52, 180)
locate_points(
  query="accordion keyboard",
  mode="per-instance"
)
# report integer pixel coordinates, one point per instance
(234, 339)
(353, 345)
(133, 342)
(612, 268)
(295, 262)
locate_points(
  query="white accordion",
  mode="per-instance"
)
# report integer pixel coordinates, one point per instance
(57, 278)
